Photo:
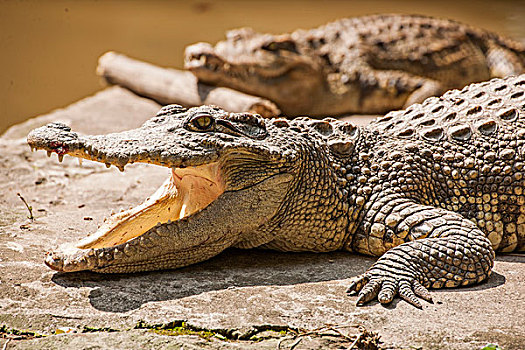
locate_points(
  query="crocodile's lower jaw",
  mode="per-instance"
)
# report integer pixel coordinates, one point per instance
(185, 192)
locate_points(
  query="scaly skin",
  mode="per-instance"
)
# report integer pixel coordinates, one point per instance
(433, 190)
(370, 64)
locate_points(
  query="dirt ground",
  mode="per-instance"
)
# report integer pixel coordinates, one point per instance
(268, 299)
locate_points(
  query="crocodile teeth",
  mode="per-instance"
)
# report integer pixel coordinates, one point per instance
(60, 158)
(79, 161)
(108, 165)
(118, 254)
(49, 153)
(120, 167)
(183, 211)
(129, 249)
(146, 242)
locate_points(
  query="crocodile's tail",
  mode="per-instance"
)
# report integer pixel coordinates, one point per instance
(504, 56)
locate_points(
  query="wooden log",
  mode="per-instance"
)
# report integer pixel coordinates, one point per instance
(167, 86)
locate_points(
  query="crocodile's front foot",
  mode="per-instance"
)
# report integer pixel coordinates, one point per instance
(389, 276)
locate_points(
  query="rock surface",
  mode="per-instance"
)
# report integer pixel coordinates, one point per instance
(233, 292)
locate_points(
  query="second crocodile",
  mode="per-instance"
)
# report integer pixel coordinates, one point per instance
(371, 64)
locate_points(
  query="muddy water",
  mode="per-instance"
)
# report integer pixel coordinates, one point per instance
(49, 49)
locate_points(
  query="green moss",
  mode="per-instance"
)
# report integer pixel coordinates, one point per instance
(21, 334)
(181, 327)
(88, 329)
(184, 331)
(177, 328)
(491, 347)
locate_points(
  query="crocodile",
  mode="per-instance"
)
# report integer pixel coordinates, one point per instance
(365, 65)
(433, 190)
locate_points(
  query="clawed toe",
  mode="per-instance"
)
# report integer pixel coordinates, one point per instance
(357, 284)
(406, 293)
(387, 292)
(368, 292)
(422, 292)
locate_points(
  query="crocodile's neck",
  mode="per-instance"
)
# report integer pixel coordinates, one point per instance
(331, 189)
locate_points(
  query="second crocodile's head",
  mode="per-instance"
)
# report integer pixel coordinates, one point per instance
(233, 181)
(278, 67)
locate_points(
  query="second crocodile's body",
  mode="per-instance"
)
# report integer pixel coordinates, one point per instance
(369, 64)
(432, 190)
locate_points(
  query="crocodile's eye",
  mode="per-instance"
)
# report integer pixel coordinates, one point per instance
(203, 121)
(271, 47)
(286, 45)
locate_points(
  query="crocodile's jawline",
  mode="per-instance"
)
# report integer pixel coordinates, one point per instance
(287, 76)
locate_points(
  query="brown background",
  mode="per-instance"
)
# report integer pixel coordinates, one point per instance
(49, 49)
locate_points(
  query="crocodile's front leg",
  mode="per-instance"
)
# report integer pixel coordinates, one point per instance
(385, 90)
(443, 249)
(503, 62)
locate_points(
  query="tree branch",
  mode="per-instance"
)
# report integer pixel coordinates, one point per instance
(166, 86)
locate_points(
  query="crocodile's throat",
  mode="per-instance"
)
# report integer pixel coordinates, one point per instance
(185, 192)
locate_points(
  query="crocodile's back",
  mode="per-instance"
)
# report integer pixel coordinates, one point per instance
(445, 50)
(476, 116)
(470, 149)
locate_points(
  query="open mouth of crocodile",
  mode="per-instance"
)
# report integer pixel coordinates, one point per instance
(187, 191)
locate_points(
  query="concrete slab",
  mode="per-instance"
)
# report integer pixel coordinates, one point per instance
(235, 291)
